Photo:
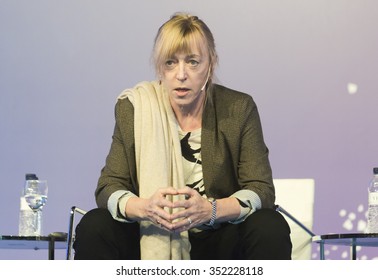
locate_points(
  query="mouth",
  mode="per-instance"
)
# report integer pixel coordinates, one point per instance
(181, 91)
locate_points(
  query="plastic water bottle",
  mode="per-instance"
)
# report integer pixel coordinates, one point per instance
(372, 226)
(30, 222)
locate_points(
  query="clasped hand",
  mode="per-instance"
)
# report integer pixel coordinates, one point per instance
(177, 215)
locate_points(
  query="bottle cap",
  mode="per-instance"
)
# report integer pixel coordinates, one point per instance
(30, 176)
(375, 170)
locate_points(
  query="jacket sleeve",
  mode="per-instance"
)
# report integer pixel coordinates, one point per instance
(235, 156)
(118, 174)
(254, 170)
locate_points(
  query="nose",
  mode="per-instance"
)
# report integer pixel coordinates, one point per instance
(181, 74)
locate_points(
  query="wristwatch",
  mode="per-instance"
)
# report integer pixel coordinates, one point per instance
(213, 211)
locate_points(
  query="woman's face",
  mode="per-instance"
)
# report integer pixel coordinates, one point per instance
(185, 76)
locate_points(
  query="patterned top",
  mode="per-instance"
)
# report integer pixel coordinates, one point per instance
(192, 164)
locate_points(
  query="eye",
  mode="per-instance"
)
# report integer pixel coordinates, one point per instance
(169, 63)
(193, 62)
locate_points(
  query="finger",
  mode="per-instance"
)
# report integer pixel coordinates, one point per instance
(181, 204)
(166, 225)
(187, 200)
(183, 221)
(163, 215)
(168, 191)
(186, 191)
(183, 225)
(161, 203)
(158, 219)
(181, 212)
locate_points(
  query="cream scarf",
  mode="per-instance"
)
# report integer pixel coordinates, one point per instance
(159, 164)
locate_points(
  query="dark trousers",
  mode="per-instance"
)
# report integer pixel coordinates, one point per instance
(264, 235)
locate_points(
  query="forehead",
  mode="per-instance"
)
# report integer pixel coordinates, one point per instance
(192, 51)
(191, 45)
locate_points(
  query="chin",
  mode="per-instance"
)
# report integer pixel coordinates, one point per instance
(182, 102)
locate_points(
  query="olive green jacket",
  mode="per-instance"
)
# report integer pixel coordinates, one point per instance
(234, 155)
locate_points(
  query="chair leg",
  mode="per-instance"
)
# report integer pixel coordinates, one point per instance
(306, 229)
(70, 236)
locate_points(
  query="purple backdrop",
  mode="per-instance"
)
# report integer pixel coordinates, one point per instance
(312, 67)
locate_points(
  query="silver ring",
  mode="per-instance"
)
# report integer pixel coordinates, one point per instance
(189, 220)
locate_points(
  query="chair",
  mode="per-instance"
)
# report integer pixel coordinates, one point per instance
(297, 195)
(297, 198)
(70, 235)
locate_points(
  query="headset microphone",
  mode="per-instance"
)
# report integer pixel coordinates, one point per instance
(207, 79)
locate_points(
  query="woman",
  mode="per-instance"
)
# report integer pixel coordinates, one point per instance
(188, 174)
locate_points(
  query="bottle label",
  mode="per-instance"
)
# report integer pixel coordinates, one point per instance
(373, 198)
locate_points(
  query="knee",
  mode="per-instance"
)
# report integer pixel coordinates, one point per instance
(95, 219)
(268, 222)
(266, 235)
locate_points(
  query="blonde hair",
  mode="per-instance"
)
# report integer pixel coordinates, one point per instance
(178, 34)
